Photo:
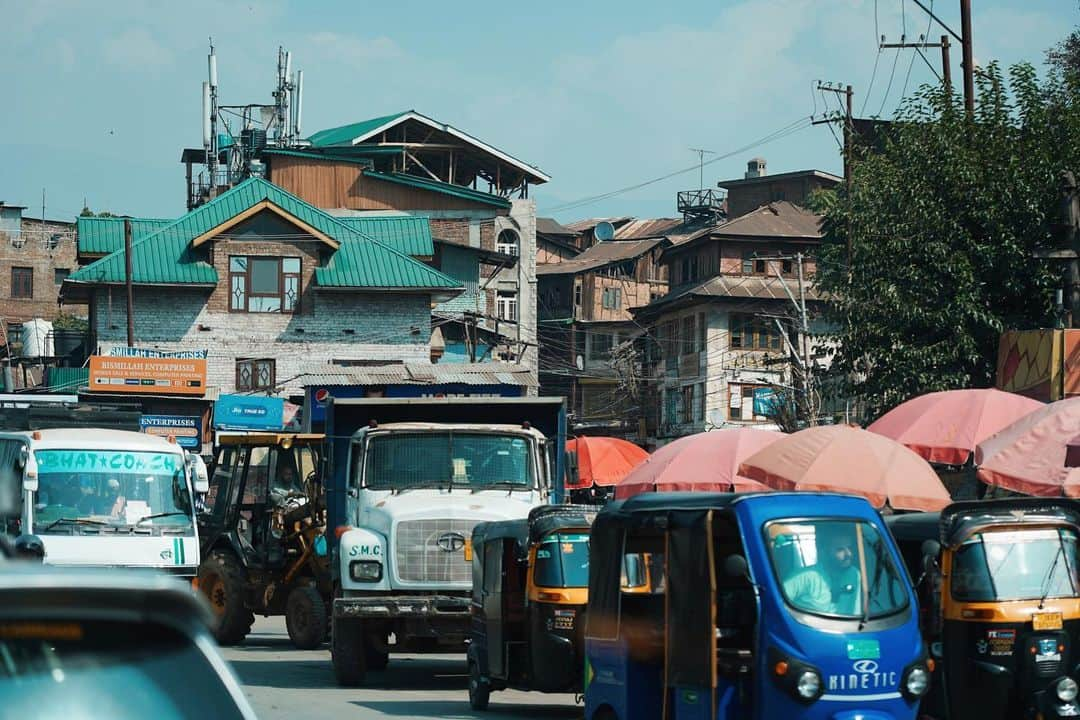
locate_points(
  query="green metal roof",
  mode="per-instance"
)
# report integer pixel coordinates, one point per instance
(406, 234)
(103, 235)
(458, 191)
(345, 134)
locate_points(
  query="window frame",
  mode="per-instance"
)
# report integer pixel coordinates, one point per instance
(740, 323)
(27, 281)
(507, 299)
(254, 386)
(508, 248)
(283, 278)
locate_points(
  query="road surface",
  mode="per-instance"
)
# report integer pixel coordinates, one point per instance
(288, 684)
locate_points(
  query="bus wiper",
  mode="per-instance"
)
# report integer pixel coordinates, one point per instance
(77, 521)
(500, 484)
(1050, 574)
(159, 515)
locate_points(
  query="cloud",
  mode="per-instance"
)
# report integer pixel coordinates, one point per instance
(136, 49)
(347, 49)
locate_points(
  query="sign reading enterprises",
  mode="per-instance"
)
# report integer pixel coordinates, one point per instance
(152, 376)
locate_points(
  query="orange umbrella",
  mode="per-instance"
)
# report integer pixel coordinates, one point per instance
(845, 459)
(944, 427)
(1031, 456)
(603, 460)
(705, 462)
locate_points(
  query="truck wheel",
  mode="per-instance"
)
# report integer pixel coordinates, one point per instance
(479, 688)
(305, 617)
(347, 652)
(223, 582)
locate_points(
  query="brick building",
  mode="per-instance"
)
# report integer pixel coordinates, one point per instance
(35, 257)
(757, 187)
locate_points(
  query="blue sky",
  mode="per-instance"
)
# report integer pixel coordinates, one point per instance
(100, 98)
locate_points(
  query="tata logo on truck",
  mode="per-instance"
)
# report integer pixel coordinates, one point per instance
(865, 675)
(451, 542)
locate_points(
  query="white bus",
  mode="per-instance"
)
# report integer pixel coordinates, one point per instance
(111, 498)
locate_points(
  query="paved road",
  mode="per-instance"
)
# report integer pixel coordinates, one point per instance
(285, 683)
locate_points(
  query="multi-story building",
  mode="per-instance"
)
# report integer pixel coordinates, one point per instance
(35, 257)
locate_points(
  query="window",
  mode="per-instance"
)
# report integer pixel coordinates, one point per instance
(600, 345)
(60, 274)
(264, 284)
(786, 267)
(255, 374)
(1024, 564)
(507, 242)
(507, 305)
(741, 401)
(22, 282)
(611, 298)
(703, 332)
(687, 404)
(689, 335)
(562, 561)
(749, 332)
(577, 294)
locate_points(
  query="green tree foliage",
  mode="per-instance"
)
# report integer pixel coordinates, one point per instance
(943, 217)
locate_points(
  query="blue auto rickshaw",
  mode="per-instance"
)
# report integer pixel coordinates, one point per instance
(762, 606)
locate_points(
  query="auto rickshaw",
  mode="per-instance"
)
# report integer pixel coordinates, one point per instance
(762, 606)
(530, 587)
(1000, 580)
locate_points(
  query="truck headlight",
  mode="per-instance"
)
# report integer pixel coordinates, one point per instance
(1066, 689)
(365, 570)
(916, 681)
(808, 684)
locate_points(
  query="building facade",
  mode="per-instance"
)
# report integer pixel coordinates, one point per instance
(35, 257)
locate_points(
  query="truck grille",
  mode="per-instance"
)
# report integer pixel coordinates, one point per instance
(421, 558)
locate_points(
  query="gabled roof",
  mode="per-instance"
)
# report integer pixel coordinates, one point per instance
(359, 132)
(729, 287)
(550, 226)
(586, 225)
(460, 191)
(782, 220)
(819, 174)
(640, 229)
(103, 235)
(600, 255)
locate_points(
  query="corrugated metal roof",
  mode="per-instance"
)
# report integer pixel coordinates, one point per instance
(782, 219)
(407, 234)
(345, 134)
(68, 379)
(587, 225)
(599, 255)
(421, 374)
(549, 226)
(732, 287)
(645, 228)
(458, 191)
(104, 235)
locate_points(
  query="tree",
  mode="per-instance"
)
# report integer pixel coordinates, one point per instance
(1064, 58)
(943, 218)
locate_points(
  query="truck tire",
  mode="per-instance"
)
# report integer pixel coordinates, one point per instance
(479, 689)
(348, 652)
(223, 582)
(305, 617)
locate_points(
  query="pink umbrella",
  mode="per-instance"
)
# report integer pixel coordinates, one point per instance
(944, 427)
(846, 459)
(1031, 456)
(704, 462)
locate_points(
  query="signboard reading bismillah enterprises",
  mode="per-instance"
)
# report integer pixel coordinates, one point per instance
(151, 376)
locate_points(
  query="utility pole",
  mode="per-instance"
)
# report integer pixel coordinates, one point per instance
(849, 131)
(802, 354)
(964, 38)
(128, 282)
(946, 64)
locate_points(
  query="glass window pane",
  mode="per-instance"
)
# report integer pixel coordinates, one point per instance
(290, 265)
(1009, 565)
(238, 293)
(264, 304)
(238, 264)
(264, 276)
(292, 294)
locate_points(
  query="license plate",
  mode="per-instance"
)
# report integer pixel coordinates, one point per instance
(1046, 621)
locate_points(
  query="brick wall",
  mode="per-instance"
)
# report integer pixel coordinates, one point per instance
(44, 249)
(742, 199)
(309, 252)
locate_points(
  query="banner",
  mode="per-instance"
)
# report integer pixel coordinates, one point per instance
(187, 429)
(149, 353)
(151, 376)
(249, 412)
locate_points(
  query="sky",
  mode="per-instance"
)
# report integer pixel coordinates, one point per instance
(99, 98)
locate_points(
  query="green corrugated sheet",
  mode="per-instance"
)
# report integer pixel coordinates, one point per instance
(459, 191)
(166, 257)
(67, 379)
(410, 235)
(345, 134)
(103, 235)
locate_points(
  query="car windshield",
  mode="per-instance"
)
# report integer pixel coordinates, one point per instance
(1016, 565)
(835, 568)
(399, 461)
(107, 669)
(109, 488)
(562, 561)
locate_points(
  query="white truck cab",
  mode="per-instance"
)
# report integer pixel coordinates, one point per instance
(112, 498)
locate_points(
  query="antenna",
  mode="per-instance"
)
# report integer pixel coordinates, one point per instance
(299, 102)
(206, 116)
(701, 164)
(211, 60)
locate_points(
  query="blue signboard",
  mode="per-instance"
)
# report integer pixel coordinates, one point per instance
(765, 401)
(187, 429)
(245, 412)
(317, 397)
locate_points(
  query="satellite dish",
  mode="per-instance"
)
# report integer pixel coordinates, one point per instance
(604, 231)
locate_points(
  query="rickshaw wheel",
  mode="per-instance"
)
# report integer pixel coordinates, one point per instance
(479, 689)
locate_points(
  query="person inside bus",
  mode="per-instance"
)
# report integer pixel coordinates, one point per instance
(112, 502)
(833, 584)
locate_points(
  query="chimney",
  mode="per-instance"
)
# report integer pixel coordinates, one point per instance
(755, 168)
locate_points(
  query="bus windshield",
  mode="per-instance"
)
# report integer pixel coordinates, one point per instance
(1016, 565)
(95, 488)
(404, 460)
(835, 568)
(562, 561)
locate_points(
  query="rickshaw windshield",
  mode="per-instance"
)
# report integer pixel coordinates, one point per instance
(835, 568)
(1016, 565)
(562, 561)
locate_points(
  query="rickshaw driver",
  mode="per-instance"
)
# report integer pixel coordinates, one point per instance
(831, 585)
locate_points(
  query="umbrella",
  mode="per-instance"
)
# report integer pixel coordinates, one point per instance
(1031, 456)
(603, 460)
(945, 427)
(846, 459)
(705, 462)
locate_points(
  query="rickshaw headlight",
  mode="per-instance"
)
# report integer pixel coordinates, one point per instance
(365, 570)
(1066, 689)
(808, 685)
(917, 681)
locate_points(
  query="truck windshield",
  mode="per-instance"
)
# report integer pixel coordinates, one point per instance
(404, 460)
(109, 488)
(562, 561)
(834, 567)
(1016, 565)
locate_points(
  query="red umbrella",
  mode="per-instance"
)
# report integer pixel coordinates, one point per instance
(944, 427)
(1032, 455)
(705, 462)
(845, 459)
(603, 460)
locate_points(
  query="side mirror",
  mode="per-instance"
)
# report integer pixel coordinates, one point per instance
(937, 650)
(735, 566)
(30, 470)
(353, 493)
(200, 480)
(931, 549)
(29, 547)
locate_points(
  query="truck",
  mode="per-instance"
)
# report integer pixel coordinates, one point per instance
(107, 498)
(406, 482)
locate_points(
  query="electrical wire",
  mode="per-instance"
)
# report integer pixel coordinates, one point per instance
(888, 89)
(877, 58)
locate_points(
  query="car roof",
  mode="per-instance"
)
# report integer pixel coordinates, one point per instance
(99, 439)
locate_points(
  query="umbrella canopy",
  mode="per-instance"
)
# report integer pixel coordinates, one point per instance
(944, 427)
(1031, 456)
(603, 460)
(705, 462)
(845, 459)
